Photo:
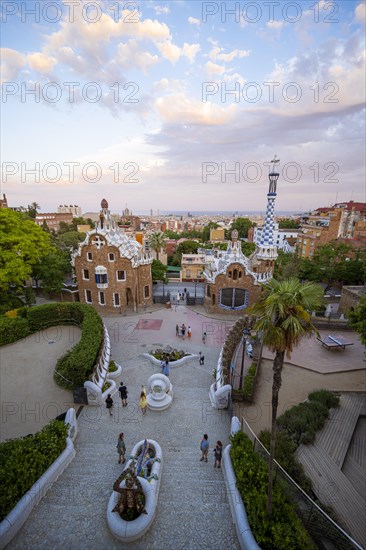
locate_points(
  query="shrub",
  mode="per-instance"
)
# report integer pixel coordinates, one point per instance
(249, 381)
(24, 460)
(105, 387)
(306, 417)
(283, 530)
(112, 366)
(13, 329)
(328, 398)
(285, 456)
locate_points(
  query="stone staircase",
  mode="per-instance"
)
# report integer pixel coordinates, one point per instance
(193, 510)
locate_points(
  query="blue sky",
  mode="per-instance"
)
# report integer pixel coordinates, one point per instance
(132, 103)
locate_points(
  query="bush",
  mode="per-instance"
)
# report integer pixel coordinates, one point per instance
(77, 364)
(249, 381)
(8, 302)
(328, 398)
(283, 530)
(308, 417)
(24, 460)
(112, 366)
(285, 456)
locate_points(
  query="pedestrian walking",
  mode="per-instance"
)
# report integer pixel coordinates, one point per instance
(189, 332)
(218, 454)
(109, 403)
(166, 368)
(183, 330)
(121, 448)
(123, 394)
(178, 297)
(204, 446)
(177, 329)
(143, 401)
(204, 337)
(202, 358)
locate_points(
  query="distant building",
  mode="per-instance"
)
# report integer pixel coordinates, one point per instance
(113, 271)
(193, 267)
(217, 235)
(83, 228)
(341, 221)
(53, 219)
(73, 209)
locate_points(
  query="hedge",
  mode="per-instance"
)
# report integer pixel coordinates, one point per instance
(283, 530)
(25, 460)
(77, 364)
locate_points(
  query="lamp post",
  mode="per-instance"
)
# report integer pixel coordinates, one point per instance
(246, 333)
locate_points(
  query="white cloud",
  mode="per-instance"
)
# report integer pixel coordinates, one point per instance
(276, 25)
(216, 53)
(190, 51)
(129, 55)
(178, 108)
(213, 68)
(360, 13)
(172, 52)
(161, 10)
(12, 63)
(40, 62)
(193, 21)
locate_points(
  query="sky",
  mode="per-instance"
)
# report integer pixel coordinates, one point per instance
(181, 105)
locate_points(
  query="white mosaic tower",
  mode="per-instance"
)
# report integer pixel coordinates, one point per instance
(267, 249)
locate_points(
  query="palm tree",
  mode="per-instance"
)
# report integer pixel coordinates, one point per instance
(283, 319)
(157, 242)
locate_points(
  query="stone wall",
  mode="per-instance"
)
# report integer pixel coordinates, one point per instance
(350, 298)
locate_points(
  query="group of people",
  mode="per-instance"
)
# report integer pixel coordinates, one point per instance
(182, 295)
(123, 394)
(181, 330)
(205, 446)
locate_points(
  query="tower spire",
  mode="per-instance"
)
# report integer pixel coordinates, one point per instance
(267, 246)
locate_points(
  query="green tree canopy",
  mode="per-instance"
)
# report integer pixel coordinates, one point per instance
(158, 271)
(242, 225)
(22, 244)
(187, 247)
(51, 269)
(288, 223)
(358, 319)
(157, 242)
(247, 248)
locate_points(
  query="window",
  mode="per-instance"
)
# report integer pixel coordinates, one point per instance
(86, 274)
(101, 298)
(90, 257)
(229, 274)
(116, 299)
(121, 275)
(101, 278)
(235, 274)
(240, 274)
(111, 257)
(147, 291)
(88, 297)
(188, 272)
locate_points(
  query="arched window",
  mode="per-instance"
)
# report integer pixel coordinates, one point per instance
(235, 274)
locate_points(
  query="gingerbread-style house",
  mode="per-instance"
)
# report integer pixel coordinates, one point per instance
(113, 271)
(234, 280)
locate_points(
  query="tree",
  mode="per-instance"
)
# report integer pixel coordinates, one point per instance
(287, 223)
(242, 225)
(33, 209)
(205, 233)
(284, 318)
(187, 247)
(287, 265)
(71, 239)
(157, 242)
(247, 248)
(23, 243)
(51, 269)
(358, 319)
(158, 271)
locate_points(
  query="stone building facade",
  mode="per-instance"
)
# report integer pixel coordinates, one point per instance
(113, 271)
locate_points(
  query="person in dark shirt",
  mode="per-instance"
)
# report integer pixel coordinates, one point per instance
(123, 393)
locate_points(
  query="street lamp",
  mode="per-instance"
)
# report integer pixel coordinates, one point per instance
(246, 334)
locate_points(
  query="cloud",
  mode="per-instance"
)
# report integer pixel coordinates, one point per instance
(161, 10)
(276, 25)
(40, 62)
(214, 69)
(178, 108)
(360, 13)
(12, 62)
(216, 53)
(172, 52)
(130, 55)
(193, 21)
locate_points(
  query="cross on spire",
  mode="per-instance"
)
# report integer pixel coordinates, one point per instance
(274, 162)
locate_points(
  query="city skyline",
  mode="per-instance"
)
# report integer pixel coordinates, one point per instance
(183, 104)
